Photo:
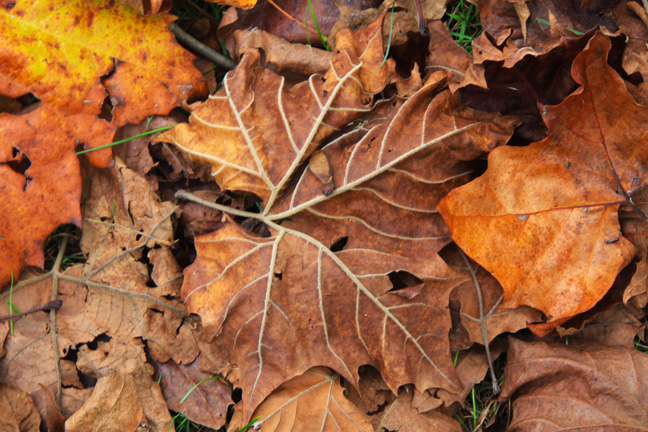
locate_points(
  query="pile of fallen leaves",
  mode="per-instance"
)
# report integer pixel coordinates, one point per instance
(348, 239)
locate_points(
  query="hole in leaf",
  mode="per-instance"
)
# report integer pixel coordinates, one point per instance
(279, 275)
(106, 110)
(20, 163)
(19, 105)
(237, 395)
(402, 279)
(94, 344)
(339, 244)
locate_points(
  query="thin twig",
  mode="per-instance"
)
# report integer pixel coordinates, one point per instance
(53, 327)
(203, 12)
(482, 321)
(290, 17)
(51, 305)
(200, 48)
(191, 197)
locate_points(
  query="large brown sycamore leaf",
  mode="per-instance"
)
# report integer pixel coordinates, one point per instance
(318, 290)
(543, 218)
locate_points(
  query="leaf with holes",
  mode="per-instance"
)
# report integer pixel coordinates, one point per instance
(350, 274)
(550, 210)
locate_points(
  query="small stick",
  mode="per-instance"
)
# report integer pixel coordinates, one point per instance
(287, 15)
(200, 48)
(55, 305)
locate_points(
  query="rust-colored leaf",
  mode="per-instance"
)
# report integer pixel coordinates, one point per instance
(550, 209)
(584, 387)
(41, 187)
(314, 400)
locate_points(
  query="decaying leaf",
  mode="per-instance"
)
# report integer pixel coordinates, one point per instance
(586, 387)
(110, 305)
(312, 400)
(550, 209)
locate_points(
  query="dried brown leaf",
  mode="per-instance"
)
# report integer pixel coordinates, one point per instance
(314, 400)
(205, 399)
(586, 387)
(402, 416)
(19, 413)
(550, 209)
(113, 407)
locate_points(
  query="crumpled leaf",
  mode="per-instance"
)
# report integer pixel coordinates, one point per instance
(112, 407)
(312, 400)
(550, 209)
(281, 54)
(586, 387)
(112, 305)
(19, 413)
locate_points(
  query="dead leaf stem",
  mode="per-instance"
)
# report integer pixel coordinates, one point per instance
(482, 320)
(56, 304)
(53, 328)
(200, 48)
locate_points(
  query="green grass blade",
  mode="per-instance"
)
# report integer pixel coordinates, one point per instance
(576, 32)
(319, 32)
(391, 29)
(197, 384)
(125, 140)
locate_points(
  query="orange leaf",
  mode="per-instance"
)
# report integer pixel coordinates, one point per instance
(543, 218)
(40, 183)
(72, 56)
